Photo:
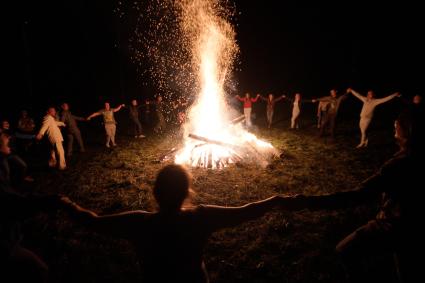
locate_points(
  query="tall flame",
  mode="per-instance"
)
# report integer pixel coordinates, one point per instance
(213, 49)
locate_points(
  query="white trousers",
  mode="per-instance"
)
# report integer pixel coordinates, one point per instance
(363, 125)
(57, 149)
(294, 119)
(110, 133)
(247, 113)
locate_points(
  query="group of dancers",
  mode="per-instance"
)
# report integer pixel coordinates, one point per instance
(327, 109)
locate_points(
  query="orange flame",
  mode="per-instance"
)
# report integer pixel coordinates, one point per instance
(213, 49)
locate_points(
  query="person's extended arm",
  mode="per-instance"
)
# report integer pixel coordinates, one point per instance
(119, 224)
(358, 95)
(385, 99)
(369, 189)
(220, 217)
(306, 101)
(239, 98)
(95, 114)
(322, 99)
(343, 97)
(118, 108)
(280, 98)
(78, 118)
(255, 99)
(15, 206)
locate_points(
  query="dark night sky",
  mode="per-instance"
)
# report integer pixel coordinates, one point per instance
(78, 50)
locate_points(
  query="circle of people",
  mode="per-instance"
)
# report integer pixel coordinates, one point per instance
(170, 241)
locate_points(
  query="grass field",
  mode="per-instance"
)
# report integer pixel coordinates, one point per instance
(279, 247)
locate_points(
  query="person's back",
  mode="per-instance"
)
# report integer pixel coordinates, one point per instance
(170, 242)
(170, 246)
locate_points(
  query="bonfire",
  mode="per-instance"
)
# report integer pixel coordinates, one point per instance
(214, 138)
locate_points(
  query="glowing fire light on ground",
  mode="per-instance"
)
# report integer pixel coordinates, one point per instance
(211, 140)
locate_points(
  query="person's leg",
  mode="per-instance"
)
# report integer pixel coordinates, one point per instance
(70, 144)
(134, 123)
(139, 128)
(108, 134)
(325, 122)
(247, 112)
(365, 126)
(332, 120)
(161, 123)
(362, 133)
(61, 154)
(113, 131)
(319, 119)
(292, 121)
(294, 118)
(77, 135)
(52, 160)
(297, 117)
(269, 118)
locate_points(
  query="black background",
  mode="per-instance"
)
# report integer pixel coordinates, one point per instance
(78, 51)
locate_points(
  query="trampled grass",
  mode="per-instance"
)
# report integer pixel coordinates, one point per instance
(279, 247)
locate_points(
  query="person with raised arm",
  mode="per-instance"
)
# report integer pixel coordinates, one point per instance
(332, 111)
(50, 127)
(296, 109)
(271, 102)
(72, 130)
(247, 107)
(366, 114)
(398, 187)
(134, 112)
(171, 240)
(109, 122)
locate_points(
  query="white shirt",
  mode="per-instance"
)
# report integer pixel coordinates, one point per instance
(369, 104)
(51, 127)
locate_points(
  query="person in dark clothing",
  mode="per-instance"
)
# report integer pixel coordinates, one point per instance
(25, 133)
(396, 228)
(160, 113)
(297, 103)
(26, 124)
(147, 113)
(271, 102)
(134, 111)
(171, 241)
(13, 169)
(180, 108)
(109, 122)
(72, 130)
(328, 122)
(17, 263)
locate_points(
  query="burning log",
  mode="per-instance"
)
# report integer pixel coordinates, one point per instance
(207, 140)
(207, 159)
(237, 120)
